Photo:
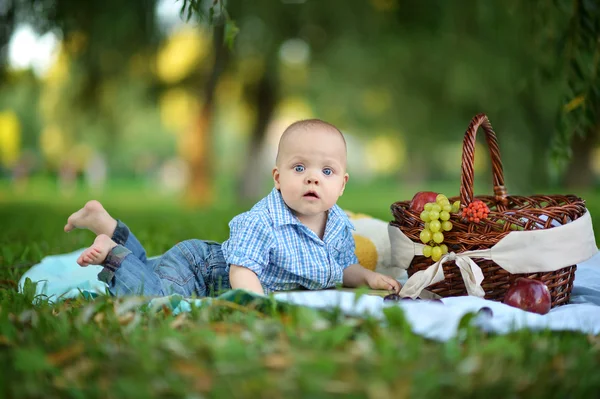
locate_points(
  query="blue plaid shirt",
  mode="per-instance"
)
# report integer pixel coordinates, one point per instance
(283, 252)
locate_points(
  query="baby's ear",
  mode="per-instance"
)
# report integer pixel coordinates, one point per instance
(276, 178)
(346, 177)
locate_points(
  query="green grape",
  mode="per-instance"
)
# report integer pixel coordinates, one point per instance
(427, 251)
(456, 206)
(436, 207)
(438, 237)
(444, 215)
(435, 226)
(444, 202)
(428, 206)
(433, 215)
(425, 216)
(446, 225)
(447, 208)
(425, 236)
(427, 226)
(440, 198)
(436, 253)
(444, 248)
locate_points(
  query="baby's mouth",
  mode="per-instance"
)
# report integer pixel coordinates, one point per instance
(311, 194)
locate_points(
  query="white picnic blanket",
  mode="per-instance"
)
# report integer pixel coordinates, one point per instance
(60, 277)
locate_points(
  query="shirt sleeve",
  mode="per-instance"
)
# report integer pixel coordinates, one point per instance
(249, 244)
(347, 255)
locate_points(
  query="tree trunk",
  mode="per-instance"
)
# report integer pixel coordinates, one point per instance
(7, 24)
(265, 97)
(579, 173)
(200, 190)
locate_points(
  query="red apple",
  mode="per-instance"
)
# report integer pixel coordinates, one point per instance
(420, 199)
(530, 295)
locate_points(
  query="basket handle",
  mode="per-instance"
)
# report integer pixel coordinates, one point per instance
(468, 160)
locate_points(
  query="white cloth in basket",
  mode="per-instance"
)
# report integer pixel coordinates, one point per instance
(530, 251)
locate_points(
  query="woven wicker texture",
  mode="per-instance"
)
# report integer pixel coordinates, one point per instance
(507, 213)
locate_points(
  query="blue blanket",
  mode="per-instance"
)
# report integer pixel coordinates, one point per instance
(59, 277)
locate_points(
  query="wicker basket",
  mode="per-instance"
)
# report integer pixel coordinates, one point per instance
(507, 213)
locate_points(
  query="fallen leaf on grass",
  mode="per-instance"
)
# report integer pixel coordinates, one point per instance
(470, 365)
(79, 369)
(99, 317)
(277, 361)
(175, 346)
(559, 365)
(180, 320)
(8, 283)
(132, 303)
(402, 388)
(167, 310)
(379, 390)
(126, 318)
(65, 354)
(28, 317)
(339, 387)
(286, 319)
(203, 381)
(72, 375)
(225, 328)
(594, 340)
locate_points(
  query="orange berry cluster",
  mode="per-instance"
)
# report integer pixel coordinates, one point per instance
(475, 211)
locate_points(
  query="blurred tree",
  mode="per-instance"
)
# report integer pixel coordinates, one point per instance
(578, 126)
(7, 25)
(101, 41)
(104, 66)
(400, 66)
(386, 65)
(201, 186)
(417, 69)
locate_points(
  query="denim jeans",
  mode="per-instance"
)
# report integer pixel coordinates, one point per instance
(190, 268)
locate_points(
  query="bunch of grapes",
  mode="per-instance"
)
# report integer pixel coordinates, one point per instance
(436, 216)
(475, 211)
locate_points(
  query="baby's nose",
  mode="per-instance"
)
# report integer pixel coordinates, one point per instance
(312, 179)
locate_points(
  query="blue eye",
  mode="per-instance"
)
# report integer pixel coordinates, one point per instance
(299, 168)
(327, 171)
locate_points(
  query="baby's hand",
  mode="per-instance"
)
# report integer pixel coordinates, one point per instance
(378, 281)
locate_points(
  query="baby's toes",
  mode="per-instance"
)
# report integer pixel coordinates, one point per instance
(87, 257)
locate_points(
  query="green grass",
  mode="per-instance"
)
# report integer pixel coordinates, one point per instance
(120, 348)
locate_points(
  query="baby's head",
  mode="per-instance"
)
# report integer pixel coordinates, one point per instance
(310, 170)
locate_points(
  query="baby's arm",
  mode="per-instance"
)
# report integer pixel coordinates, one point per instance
(355, 276)
(247, 251)
(243, 278)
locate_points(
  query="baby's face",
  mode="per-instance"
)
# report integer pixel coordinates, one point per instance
(311, 171)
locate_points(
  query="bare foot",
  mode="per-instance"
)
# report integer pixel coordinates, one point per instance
(93, 217)
(96, 254)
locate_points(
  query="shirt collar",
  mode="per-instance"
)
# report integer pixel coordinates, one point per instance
(280, 212)
(283, 215)
(337, 215)
(337, 221)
